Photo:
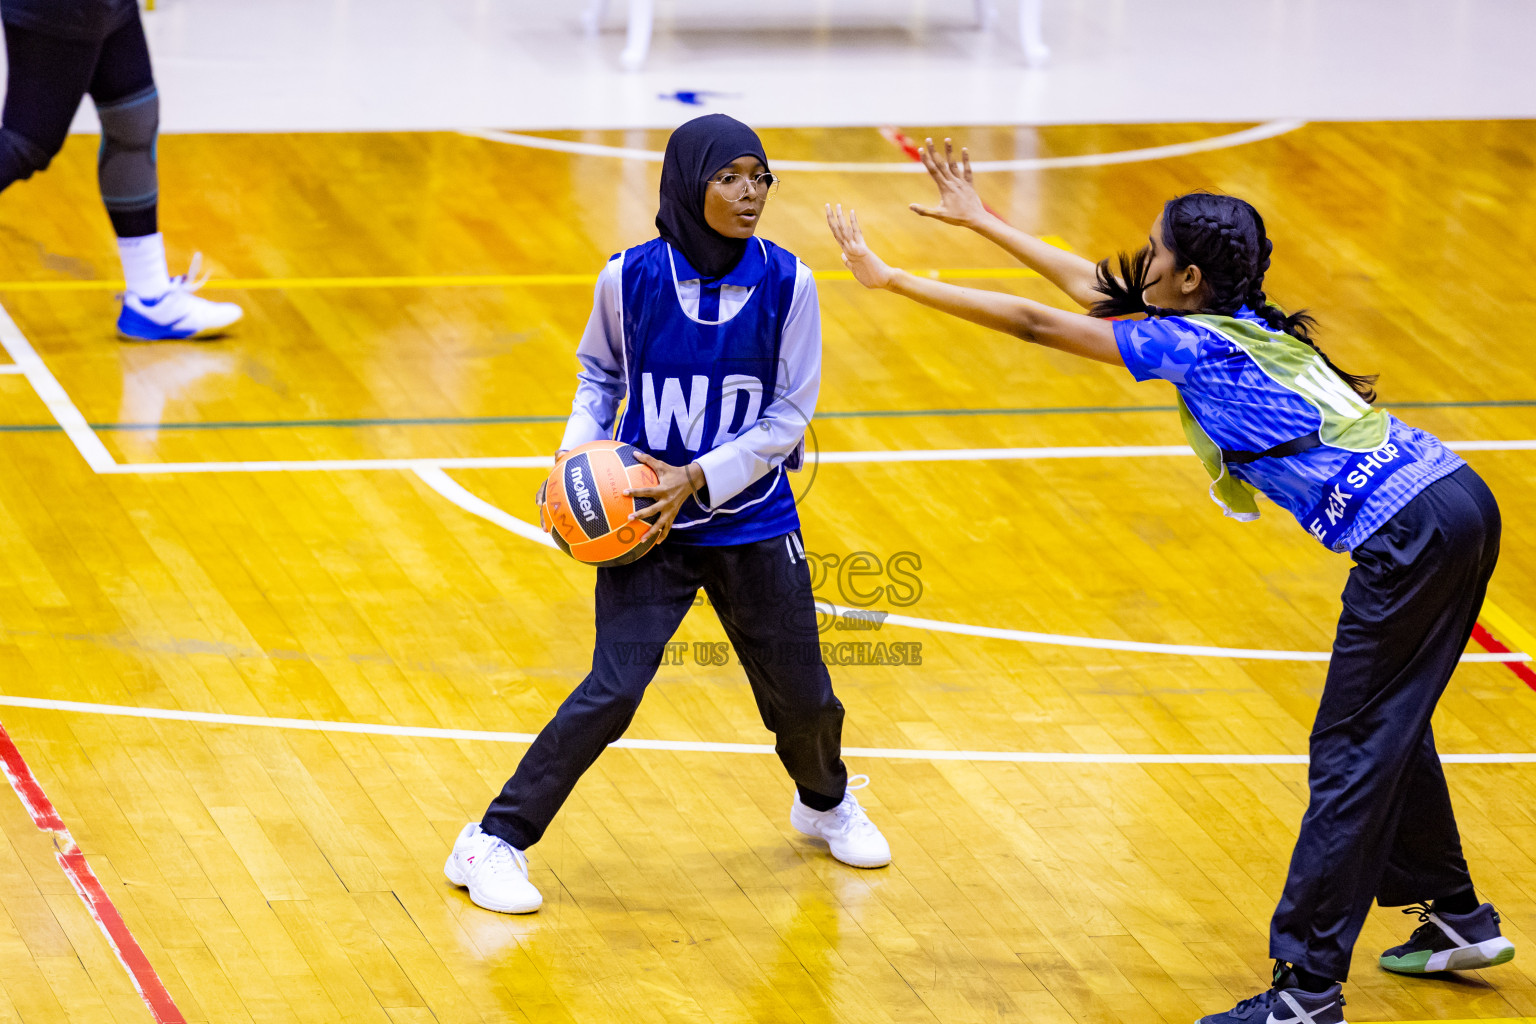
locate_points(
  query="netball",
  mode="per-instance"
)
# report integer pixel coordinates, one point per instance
(586, 510)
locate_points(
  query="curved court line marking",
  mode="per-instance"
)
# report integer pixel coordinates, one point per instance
(691, 746)
(440, 482)
(1267, 130)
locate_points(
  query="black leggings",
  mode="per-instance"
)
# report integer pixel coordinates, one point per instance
(47, 76)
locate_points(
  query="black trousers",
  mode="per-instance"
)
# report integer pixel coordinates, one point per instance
(46, 77)
(762, 594)
(1379, 825)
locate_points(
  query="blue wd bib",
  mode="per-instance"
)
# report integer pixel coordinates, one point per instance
(693, 384)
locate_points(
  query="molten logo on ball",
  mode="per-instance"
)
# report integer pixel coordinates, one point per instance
(591, 479)
(583, 496)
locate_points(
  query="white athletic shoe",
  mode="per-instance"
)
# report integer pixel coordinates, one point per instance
(178, 315)
(850, 835)
(494, 871)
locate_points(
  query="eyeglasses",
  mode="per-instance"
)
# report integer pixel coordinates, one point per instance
(734, 187)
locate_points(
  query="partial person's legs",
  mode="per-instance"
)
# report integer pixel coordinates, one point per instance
(638, 608)
(762, 594)
(1426, 871)
(123, 89)
(1409, 607)
(1425, 861)
(156, 307)
(46, 77)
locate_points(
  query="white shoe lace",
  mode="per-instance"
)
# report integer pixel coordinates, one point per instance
(189, 282)
(193, 279)
(503, 856)
(851, 817)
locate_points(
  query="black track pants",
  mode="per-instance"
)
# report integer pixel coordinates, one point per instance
(1379, 825)
(762, 593)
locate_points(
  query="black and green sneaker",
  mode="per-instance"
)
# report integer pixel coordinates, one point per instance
(1450, 942)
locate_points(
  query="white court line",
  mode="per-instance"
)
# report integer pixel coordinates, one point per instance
(1133, 451)
(1189, 650)
(831, 458)
(1490, 446)
(692, 746)
(31, 365)
(547, 461)
(1268, 130)
(1128, 451)
(335, 465)
(442, 484)
(9, 368)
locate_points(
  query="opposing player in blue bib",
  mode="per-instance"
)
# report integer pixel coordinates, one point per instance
(710, 337)
(1268, 412)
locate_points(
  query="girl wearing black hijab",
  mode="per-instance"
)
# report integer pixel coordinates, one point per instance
(711, 339)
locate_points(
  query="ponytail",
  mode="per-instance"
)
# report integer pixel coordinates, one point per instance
(1300, 326)
(1122, 294)
(1223, 236)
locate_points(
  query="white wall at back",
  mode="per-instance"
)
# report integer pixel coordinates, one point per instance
(275, 65)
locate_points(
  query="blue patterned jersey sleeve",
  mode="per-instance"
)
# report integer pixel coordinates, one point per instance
(1161, 348)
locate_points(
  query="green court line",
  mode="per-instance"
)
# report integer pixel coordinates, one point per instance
(484, 421)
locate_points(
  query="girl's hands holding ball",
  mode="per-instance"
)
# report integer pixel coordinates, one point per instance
(868, 269)
(538, 498)
(674, 485)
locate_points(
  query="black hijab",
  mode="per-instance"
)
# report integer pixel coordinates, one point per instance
(695, 152)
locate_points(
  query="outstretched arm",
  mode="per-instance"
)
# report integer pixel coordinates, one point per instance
(1023, 318)
(960, 204)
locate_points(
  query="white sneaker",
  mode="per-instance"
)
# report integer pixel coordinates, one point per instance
(178, 314)
(850, 835)
(494, 871)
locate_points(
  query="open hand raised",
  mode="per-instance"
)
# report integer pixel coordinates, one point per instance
(959, 202)
(868, 269)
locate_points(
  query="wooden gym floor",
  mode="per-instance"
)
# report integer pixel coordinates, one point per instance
(281, 874)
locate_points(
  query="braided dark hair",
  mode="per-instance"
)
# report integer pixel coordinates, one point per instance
(1223, 236)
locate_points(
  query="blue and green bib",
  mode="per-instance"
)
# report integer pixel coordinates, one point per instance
(1246, 389)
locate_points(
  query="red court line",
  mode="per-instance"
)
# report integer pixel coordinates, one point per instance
(896, 137)
(1520, 668)
(97, 903)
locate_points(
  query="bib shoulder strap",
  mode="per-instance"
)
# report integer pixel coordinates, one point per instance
(1279, 451)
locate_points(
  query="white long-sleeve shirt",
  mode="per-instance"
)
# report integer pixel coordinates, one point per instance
(777, 437)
